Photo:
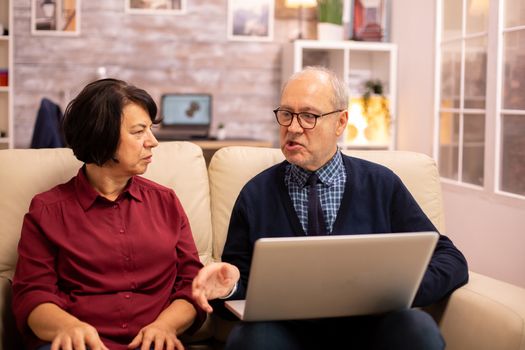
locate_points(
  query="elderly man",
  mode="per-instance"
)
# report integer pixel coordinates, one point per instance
(356, 197)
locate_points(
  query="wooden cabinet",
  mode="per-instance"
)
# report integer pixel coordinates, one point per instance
(6, 74)
(209, 147)
(356, 63)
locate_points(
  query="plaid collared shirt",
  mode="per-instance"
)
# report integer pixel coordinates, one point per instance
(332, 177)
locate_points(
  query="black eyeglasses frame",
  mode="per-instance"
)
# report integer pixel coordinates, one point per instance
(316, 116)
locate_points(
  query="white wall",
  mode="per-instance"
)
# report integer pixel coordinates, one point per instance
(413, 32)
(489, 229)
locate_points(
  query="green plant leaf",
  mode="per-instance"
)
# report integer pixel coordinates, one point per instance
(330, 11)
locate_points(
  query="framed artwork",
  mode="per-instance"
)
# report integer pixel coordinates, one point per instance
(371, 20)
(156, 7)
(55, 17)
(250, 20)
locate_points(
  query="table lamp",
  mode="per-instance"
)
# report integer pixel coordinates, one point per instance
(48, 7)
(300, 5)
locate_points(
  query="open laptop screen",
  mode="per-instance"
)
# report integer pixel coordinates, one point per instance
(186, 115)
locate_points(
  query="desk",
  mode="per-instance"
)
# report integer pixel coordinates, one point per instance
(209, 147)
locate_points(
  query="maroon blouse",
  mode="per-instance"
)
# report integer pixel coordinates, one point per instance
(113, 264)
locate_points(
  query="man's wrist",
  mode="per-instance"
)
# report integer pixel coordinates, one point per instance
(232, 292)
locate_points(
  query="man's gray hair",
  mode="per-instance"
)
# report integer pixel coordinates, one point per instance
(340, 91)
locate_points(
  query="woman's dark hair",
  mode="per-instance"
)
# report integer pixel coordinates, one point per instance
(91, 123)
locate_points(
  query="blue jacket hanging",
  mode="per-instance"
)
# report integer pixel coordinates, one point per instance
(47, 126)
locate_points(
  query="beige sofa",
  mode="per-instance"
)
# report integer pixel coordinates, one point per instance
(484, 314)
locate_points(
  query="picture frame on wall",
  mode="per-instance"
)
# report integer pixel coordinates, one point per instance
(370, 20)
(250, 20)
(55, 17)
(156, 7)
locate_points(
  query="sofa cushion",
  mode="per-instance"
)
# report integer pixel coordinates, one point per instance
(420, 175)
(181, 166)
(26, 172)
(230, 168)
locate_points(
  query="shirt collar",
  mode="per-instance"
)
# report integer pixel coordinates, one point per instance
(327, 174)
(87, 195)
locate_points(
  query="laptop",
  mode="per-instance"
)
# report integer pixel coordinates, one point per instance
(333, 276)
(185, 116)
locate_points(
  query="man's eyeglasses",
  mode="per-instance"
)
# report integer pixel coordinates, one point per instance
(306, 120)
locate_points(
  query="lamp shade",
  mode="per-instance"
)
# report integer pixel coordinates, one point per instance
(300, 3)
(48, 7)
(479, 7)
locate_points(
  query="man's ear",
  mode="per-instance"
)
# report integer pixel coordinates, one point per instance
(341, 123)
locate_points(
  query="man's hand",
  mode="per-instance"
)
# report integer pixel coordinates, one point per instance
(77, 336)
(214, 281)
(157, 334)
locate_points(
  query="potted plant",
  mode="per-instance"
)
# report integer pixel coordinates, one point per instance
(376, 111)
(330, 19)
(221, 131)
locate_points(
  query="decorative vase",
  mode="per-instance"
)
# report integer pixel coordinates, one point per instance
(329, 31)
(221, 133)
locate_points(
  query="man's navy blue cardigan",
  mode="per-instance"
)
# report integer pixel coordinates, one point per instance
(374, 201)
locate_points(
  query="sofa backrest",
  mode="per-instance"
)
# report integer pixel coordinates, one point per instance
(231, 167)
(26, 172)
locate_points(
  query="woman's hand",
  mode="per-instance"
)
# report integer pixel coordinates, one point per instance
(213, 281)
(64, 331)
(158, 334)
(77, 336)
(162, 333)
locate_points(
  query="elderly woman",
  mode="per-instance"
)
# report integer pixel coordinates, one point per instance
(106, 260)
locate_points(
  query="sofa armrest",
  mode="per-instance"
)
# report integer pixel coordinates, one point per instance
(9, 336)
(483, 314)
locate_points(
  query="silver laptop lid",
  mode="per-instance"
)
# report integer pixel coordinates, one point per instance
(331, 276)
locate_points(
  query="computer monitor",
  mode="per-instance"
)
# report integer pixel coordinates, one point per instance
(185, 116)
